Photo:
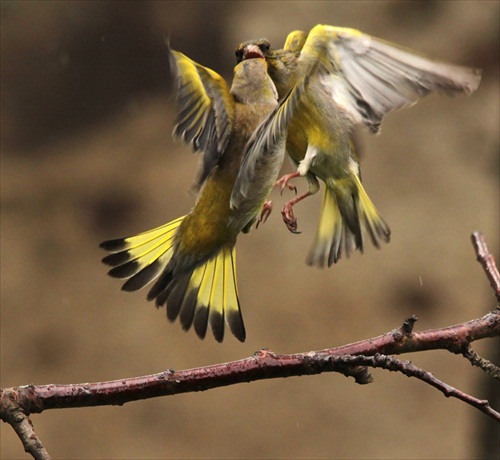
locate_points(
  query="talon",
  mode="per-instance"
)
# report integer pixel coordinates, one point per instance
(283, 182)
(267, 209)
(289, 217)
(287, 211)
(291, 187)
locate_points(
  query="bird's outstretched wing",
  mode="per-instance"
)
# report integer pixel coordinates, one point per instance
(369, 77)
(206, 110)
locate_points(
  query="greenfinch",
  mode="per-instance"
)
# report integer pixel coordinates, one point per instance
(192, 259)
(358, 80)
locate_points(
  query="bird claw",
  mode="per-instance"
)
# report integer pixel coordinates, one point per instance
(282, 182)
(267, 209)
(289, 218)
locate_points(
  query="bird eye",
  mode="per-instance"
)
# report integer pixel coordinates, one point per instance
(239, 55)
(265, 47)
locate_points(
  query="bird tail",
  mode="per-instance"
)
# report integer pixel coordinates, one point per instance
(346, 210)
(201, 294)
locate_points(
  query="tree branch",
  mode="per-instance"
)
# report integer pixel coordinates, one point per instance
(263, 365)
(410, 370)
(12, 411)
(351, 360)
(487, 261)
(484, 364)
(455, 339)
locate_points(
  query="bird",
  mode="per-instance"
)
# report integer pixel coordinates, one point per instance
(192, 259)
(358, 80)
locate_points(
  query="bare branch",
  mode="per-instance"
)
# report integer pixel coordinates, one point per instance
(410, 370)
(351, 360)
(455, 339)
(487, 261)
(263, 365)
(13, 413)
(484, 364)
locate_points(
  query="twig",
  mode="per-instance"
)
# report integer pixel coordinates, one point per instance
(487, 261)
(410, 370)
(484, 364)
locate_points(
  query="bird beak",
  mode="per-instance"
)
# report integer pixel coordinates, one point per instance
(252, 52)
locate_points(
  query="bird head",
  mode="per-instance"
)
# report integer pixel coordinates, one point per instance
(281, 63)
(252, 49)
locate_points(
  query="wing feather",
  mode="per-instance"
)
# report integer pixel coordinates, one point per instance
(380, 76)
(206, 110)
(264, 154)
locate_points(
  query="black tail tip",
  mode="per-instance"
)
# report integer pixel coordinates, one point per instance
(117, 244)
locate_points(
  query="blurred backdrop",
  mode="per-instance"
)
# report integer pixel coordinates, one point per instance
(87, 155)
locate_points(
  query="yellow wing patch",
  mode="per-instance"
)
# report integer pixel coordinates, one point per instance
(205, 105)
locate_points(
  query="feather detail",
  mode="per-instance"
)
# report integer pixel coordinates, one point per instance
(141, 258)
(380, 76)
(206, 110)
(205, 295)
(343, 218)
(266, 150)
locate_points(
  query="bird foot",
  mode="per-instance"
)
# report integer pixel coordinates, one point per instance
(283, 182)
(289, 217)
(267, 209)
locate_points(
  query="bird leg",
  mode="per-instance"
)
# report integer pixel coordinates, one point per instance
(267, 208)
(287, 211)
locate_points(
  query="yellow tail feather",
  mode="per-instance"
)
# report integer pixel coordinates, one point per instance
(326, 247)
(200, 294)
(334, 232)
(211, 297)
(373, 221)
(141, 258)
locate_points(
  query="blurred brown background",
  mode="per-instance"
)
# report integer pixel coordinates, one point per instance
(87, 155)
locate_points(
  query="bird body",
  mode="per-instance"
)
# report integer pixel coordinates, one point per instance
(192, 259)
(355, 79)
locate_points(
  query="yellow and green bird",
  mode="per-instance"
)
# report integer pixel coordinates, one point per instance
(192, 259)
(358, 79)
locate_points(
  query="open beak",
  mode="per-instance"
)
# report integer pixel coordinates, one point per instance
(252, 52)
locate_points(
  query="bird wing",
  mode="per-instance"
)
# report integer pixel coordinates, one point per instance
(295, 40)
(206, 110)
(265, 151)
(371, 77)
